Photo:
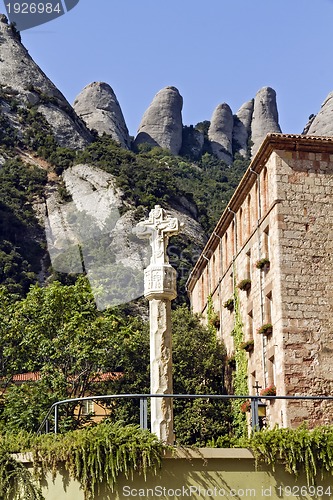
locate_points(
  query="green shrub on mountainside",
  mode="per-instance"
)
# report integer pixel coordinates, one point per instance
(21, 237)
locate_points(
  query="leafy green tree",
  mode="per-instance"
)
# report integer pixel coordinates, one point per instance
(58, 332)
(198, 360)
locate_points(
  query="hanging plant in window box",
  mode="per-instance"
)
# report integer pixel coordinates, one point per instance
(229, 304)
(246, 406)
(244, 284)
(247, 346)
(263, 264)
(266, 329)
(268, 391)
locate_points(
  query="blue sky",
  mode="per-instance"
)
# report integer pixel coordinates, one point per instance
(213, 51)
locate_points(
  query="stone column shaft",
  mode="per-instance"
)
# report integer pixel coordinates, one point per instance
(161, 369)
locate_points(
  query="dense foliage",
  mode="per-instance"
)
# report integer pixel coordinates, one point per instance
(100, 454)
(58, 332)
(21, 237)
(90, 456)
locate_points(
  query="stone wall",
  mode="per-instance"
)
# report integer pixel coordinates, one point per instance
(305, 183)
(282, 211)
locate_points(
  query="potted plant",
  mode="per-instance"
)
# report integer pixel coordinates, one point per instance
(266, 329)
(229, 304)
(268, 391)
(244, 284)
(246, 406)
(248, 346)
(263, 264)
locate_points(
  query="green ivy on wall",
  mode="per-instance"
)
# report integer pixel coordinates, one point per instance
(213, 318)
(240, 375)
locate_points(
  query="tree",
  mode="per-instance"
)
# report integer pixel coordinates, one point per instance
(198, 360)
(58, 332)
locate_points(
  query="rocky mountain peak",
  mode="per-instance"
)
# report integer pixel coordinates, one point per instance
(161, 124)
(242, 127)
(265, 117)
(98, 106)
(21, 77)
(322, 123)
(220, 132)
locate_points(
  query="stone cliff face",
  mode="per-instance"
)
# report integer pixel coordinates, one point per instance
(98, 106)
(21, 78)
(161, 124)
(322, 123)
(229, 134)
(93, 233)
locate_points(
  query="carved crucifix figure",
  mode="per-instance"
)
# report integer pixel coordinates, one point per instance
(160, 289)
(158, 228)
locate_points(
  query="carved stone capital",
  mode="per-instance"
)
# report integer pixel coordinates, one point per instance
(160, 282)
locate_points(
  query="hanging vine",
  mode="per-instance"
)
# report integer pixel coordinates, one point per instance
(91, 456)
(240, 375)
(299, 450)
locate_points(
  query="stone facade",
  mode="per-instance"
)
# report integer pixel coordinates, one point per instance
(282, 212)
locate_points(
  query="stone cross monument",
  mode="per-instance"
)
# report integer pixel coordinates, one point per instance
(160, 289)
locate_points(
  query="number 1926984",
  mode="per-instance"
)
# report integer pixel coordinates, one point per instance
(33, 8)
(304, 491)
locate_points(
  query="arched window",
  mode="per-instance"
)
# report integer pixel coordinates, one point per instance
(264, 191)
(226, 251)
(232, 242)
(240, 227)
(213, 277)
(248, 216)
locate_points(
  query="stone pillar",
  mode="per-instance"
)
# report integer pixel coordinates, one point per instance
(160, 289)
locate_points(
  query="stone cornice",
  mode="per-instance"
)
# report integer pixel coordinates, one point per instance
(272, 142)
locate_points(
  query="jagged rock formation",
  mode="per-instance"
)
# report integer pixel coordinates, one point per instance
(229, 134)
(98, 106)
(322, 123)
(242, 128)
(265, 117)
(161, 124)
(220, 133)
(22, 79)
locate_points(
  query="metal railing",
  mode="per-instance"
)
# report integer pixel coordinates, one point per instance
(143, 398)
